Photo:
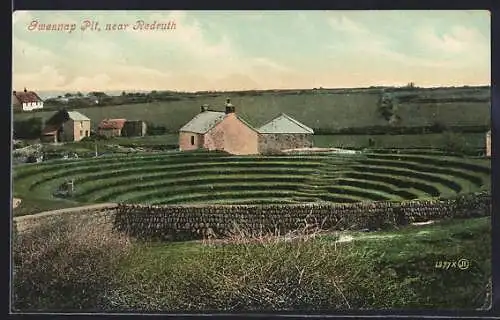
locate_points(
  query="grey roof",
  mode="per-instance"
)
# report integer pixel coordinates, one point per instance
(77, 116)
(203, 122)
(285, 124)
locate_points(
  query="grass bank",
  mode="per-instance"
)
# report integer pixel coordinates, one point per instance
(78, 267)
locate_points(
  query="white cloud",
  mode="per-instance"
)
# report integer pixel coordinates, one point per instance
(344, 24)
(47, 77)
(453, 50)
(269, 64)
(93, 60)
(92, 47)
(26, 56)
(187, 34)
(457, 41)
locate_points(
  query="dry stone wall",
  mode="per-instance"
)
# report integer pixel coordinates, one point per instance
(190, 221)
(269, 143)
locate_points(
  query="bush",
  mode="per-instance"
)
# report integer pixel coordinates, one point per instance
(65, 264)
(30, 128)
(155, 130)
(94, 137)
(260, 273)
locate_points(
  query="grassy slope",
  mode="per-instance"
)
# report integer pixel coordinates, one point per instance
(377, 270)
(315, 109)
(153, 175)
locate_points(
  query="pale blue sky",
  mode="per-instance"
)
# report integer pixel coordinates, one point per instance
(227, 50)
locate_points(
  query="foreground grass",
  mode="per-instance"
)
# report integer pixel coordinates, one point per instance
(392, 269)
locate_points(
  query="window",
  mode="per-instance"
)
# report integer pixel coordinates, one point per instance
(81, 133)
(86, 133)
(192, 140)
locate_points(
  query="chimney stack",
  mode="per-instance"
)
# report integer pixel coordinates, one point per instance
(204, 108)
(229, 107)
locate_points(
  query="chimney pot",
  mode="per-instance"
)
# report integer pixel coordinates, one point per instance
(25, 90)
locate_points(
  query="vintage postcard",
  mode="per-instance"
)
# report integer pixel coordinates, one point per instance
(206, 161)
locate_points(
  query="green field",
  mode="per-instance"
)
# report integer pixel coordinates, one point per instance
(466, 141)
(216, 177)
(328, 110)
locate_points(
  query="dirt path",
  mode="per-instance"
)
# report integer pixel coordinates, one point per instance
(62, 211)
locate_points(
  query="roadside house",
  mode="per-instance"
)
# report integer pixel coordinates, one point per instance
(284, 132)
(215, 130)
(26, 100)
(66, 126)
(111, 127)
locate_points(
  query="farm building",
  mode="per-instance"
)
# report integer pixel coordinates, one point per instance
(284, 132)
(214, 130)
(134, 128)
(26, 100)
(488, 144)
(111, 127)
(66, 126)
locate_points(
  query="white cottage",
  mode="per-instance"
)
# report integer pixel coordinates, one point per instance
(26, 100)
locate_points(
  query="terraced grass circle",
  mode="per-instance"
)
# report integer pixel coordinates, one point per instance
(216, 177)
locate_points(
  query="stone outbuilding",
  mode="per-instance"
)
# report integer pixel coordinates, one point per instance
(284, 132)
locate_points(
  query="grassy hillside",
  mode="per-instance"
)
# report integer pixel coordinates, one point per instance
(325, 109)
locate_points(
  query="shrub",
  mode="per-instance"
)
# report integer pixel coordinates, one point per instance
(65, 264)
(94, 137)
(30, 128)
(248, 273)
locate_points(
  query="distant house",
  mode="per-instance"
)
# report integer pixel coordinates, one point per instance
(214, 130)
(284, 132)
(26, 100)
(66, 126)
(111, 127)
(134, 128)
(488, 144)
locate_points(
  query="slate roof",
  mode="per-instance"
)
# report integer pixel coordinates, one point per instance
(203, 122)
(112, 123)
(77, 116)
(285, 124)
